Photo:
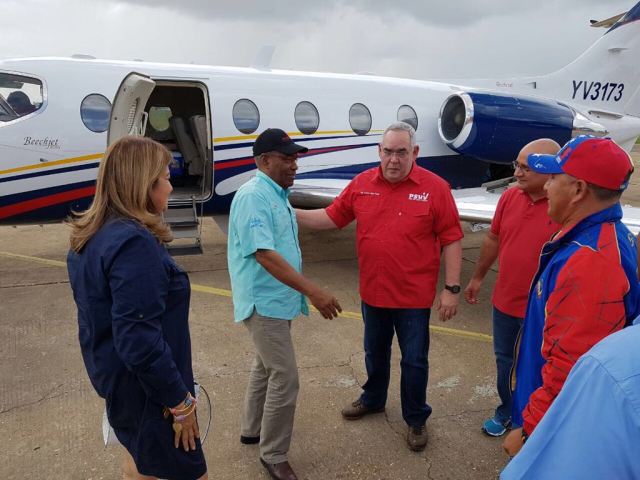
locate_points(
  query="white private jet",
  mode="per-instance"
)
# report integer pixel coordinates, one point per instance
(57, 115)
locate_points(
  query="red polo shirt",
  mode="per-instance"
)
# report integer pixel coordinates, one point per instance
(522, 227)
(401, 228)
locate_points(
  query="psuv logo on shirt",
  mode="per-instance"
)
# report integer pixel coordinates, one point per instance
(419, 197)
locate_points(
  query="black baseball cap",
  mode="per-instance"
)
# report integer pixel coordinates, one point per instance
(276, 140)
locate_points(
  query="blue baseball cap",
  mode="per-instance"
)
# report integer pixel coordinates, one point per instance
(599, 161)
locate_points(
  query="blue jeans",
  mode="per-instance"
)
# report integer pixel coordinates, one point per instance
(505, 333)
(412, 327)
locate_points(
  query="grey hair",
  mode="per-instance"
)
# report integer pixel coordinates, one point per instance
(402, 127)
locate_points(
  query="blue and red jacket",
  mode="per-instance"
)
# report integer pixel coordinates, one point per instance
(586, 288)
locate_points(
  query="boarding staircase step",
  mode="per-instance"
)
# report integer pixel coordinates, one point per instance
(186, 228)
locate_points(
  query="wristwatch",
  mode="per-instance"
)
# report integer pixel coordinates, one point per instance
(453, 288)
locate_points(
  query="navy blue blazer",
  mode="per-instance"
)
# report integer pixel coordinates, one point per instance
(133, 307)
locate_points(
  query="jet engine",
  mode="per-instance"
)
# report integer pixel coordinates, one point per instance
(493, 127)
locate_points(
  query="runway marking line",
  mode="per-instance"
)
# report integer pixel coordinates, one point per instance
(227, 293)
(45, 261)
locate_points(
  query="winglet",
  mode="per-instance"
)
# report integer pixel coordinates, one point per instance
(608, 22)
(263, 58)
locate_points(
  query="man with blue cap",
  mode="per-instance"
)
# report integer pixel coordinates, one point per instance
(586, 286)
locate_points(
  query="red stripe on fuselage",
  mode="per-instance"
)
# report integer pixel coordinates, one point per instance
(233, 163)
(42, 202)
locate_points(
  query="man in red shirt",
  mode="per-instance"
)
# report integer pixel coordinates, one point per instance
(406, 217)
(519, 228)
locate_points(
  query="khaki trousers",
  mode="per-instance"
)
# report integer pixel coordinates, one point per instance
(270, 400)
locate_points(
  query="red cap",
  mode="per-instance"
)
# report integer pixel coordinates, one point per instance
(599, 161)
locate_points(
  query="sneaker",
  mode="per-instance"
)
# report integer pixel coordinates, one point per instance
(358, 410)
(417, 438)
(494, 427)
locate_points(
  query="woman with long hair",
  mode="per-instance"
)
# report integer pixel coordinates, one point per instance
(133, 307)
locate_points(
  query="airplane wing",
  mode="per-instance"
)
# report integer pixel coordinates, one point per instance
(475, 205)
(631, 218)
(316, 192)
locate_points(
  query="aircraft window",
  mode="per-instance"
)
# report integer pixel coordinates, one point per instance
(408, 115)
(94, 111)
(22, 94)
(360, 119)
(307, 118)
(159, 118)
(246, 117)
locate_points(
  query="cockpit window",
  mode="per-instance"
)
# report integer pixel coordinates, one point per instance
(6, 112)
(19, 96)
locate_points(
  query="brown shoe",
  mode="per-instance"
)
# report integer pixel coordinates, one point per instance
(279, 471)
(417, 438)
(358, 410)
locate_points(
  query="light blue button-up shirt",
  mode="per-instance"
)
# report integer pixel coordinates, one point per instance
(262, 218)
(592, 430)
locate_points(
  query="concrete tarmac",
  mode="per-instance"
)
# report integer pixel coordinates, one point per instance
(50, 416)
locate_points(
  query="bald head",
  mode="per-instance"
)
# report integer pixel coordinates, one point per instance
(528, 181)
(542, 145)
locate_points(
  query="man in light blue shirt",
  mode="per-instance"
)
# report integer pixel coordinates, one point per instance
(268, 288)
(592, 430)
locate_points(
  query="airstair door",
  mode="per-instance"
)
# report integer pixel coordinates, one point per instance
(128, 116)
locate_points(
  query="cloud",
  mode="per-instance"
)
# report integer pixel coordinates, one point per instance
(462, 39)
(460, 12)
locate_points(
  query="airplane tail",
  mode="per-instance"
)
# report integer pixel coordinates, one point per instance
(606, 77)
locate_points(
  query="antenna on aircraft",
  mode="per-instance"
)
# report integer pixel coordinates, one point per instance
(83, 56)
(263, 58)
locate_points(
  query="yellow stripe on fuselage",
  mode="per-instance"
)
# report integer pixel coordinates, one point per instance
(96, 156)
(291, 134)
(55, 163)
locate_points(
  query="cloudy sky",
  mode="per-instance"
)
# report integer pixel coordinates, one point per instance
(417, 39)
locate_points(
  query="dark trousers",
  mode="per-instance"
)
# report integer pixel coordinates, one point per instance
(412, 327)
(505, 333)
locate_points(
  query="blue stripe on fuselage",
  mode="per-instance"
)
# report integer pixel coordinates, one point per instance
(43, 173)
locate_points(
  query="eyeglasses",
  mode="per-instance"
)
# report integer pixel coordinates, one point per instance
(285, 158)
(524, 168)
(400, 154)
